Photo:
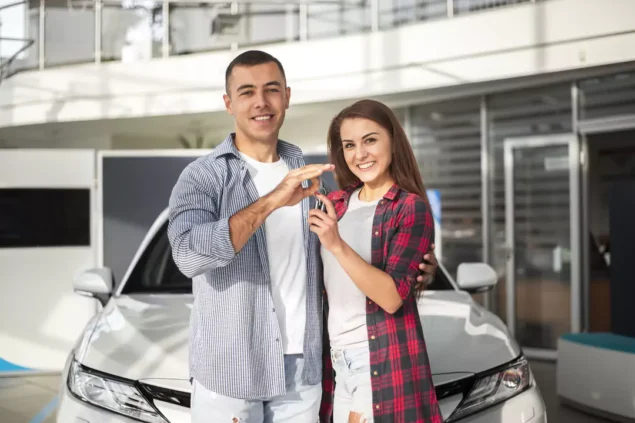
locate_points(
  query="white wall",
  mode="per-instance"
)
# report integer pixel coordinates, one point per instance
(96, 142)
(40, 315)
(523, 40)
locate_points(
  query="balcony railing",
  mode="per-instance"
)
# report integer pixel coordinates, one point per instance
(82, 31)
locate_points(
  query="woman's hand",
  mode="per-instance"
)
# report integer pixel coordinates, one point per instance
(325, 226)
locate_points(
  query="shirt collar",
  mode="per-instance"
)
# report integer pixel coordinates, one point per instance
(346, 193)
(228, 146)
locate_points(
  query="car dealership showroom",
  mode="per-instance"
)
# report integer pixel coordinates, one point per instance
(520, 115)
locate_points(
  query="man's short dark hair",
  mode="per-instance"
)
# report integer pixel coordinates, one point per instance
(251, 58)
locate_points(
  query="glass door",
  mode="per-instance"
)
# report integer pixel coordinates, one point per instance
(542, 231)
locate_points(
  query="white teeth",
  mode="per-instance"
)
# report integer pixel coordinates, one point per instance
(262, 117)
(366, 165)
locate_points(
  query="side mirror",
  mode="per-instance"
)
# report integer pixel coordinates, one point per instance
(96, 283)
(476, 277)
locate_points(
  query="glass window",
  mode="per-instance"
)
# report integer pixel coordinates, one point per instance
(393, 13)
(329, 20)
(446, 138)
(608, 96)
(64, 46)
(469, 6)
(44, 217)
(131, 31)
(156, 271)
(540, 194)
(21, 22)
(270, 23)
(199, 27)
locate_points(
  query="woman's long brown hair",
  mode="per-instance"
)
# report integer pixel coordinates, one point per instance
(403, 168)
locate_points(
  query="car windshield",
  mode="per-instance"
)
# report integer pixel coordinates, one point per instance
(156, 272)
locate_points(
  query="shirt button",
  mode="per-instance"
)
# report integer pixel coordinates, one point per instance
(277, 339)
(376, 232)
(372, 337)
(375, 372)
(377, 406)
(273, 309)
(370, 302)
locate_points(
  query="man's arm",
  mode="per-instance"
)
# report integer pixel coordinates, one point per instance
(288, 193)
(246, 222)
(200, 240)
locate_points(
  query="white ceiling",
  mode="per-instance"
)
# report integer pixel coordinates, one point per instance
(170, 127)
(162, 126)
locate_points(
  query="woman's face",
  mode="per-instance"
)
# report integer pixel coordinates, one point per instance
(367, 149)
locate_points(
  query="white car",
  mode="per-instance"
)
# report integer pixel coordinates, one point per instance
(131, 362)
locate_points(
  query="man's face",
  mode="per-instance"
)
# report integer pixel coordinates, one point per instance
(258, 98)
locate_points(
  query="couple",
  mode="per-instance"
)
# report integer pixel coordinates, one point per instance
(271, 257)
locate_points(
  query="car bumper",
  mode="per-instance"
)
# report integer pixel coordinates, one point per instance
(527, 407)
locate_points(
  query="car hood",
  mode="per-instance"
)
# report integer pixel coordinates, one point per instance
(145, 337)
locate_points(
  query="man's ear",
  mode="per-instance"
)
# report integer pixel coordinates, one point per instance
(288, 90)
(228, 104)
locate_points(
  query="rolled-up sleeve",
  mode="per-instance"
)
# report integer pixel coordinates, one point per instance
(200, 240)
(408, 245)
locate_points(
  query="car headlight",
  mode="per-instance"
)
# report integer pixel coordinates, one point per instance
(494, 387)
(115, 395)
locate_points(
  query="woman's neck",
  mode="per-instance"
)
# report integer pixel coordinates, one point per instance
(373, 191)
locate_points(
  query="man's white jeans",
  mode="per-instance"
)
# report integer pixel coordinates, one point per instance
(301, 404)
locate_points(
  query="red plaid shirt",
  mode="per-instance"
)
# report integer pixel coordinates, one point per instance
(403, 392)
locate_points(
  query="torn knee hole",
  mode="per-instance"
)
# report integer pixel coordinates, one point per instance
(235, 420)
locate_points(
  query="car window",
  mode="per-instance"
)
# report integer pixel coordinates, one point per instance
(156, 272)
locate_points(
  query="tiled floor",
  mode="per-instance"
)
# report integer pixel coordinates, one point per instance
(545, 373)
(28, 399)
(33, 399)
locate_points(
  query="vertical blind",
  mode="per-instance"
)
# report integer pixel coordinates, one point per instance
(446, 138)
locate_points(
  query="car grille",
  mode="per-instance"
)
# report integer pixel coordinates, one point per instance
(461, 386)
(171, 396)
(182, 399)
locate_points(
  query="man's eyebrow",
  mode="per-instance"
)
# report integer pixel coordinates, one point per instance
(268, 84)
(244, 86)
(364, 137)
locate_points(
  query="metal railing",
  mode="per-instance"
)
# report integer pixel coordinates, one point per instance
(82, 31)
(24, 44)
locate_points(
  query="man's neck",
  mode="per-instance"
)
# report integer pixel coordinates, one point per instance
(262, 151)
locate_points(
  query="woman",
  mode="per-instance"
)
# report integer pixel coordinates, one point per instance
(374, 233)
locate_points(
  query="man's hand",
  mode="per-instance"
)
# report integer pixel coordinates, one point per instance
(428, 267)
(290, 191)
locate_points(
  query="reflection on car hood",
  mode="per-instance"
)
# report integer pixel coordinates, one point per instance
(145, 337)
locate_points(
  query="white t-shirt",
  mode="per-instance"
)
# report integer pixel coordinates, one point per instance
(287, 258)
(347, 303)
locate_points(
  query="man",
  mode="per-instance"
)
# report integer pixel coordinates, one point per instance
(238, 226)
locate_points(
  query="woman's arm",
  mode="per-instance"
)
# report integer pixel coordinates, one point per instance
(377, 285)
(410, 242)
